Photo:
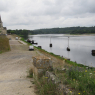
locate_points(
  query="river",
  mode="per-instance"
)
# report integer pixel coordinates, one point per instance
(80, 46)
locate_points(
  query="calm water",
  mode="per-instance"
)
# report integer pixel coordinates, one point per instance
(80, 46)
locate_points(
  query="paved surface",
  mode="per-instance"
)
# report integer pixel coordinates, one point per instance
(14, 67)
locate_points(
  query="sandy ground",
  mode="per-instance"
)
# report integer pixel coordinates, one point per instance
(14, 67)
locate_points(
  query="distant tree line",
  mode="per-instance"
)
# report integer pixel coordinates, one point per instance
(22, 33)
(68, 30)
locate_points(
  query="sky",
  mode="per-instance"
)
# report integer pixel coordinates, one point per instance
(38, 14)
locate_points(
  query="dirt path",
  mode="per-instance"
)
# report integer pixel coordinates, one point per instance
(14, 67)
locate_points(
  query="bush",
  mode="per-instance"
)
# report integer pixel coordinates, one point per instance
(46, 88)
(4, 44)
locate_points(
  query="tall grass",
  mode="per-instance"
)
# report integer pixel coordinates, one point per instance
(79, 80)
(84, 80)
(4, 44)
(46, 88)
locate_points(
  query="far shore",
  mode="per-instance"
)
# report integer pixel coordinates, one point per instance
(80, 34)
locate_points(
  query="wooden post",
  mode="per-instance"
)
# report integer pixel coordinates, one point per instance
(50, 43)
(68, 49)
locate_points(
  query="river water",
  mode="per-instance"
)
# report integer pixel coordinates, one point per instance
(80, 46)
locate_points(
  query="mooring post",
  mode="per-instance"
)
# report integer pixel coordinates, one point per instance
(68, 41)
(50, 43)
(68, 49)
(93, 52)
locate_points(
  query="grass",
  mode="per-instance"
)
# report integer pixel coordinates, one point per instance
(30, 73)
(45, 88)
(22, 39)
(50, 53)
(79, 78)
(4, 44)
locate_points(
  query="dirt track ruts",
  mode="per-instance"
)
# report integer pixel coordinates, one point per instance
(14, 67)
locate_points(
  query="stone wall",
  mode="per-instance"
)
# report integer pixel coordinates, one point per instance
(60, 87)
(40, 65)
(3, 31)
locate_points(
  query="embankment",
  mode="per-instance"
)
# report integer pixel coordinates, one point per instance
(4, 44)
(77, 78)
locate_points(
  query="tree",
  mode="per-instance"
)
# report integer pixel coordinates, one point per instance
(12, 32)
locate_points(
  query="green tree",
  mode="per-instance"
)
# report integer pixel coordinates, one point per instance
(12, 32)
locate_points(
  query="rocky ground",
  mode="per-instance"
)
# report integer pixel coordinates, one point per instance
(14, 67)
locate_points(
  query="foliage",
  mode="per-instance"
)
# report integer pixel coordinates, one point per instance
(79, 65)
(81, 80)
(30, 73)
(4, 44)
(78, 78)
(45, 88)
(67, 30)
(21, 33)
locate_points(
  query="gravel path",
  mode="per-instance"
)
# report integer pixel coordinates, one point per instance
(14, 67)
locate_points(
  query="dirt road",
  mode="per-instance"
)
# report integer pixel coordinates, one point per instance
(14, 67)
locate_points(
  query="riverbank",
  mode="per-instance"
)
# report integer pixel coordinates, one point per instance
(4, 44)
(78, 78)
(80, 34)
(80, 46)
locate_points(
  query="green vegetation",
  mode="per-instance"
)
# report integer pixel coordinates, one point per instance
(30, 73)
(76, 64)
(25, 41)
(4, 44)
(79, 80)
(21, 33)
(44, 51)
(46, 88)
(68, 30)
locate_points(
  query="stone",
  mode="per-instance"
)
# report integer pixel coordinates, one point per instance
(42, 62)
(3, 30)
(52, 77)
(61, 70)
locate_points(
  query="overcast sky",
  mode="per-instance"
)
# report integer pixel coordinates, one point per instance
(37, 14)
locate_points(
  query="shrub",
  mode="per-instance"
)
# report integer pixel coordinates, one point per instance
(4, 44)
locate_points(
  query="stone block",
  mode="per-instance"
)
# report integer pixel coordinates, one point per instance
(52, 77)
(42, 62)
(37, 73)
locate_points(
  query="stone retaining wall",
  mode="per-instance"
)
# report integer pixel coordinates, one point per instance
(41, 65)
(61, 88)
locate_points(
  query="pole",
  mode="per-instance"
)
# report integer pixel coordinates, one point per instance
(50, 39)
(68, 41)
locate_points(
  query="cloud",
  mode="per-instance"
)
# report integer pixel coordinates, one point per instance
(34, 14)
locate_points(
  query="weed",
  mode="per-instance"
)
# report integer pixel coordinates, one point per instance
(46, 88)
(4, 44)
(30, 73)
(80, 80)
